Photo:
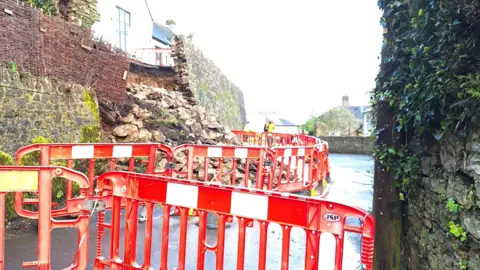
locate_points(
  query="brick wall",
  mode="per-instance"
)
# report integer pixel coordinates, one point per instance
(46, 46)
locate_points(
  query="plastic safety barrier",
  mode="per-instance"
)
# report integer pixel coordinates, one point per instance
(219, 163)
(267, 139)
(39, 179)
(248, 208)
(277, 139)
(249, 137)
(297, 168)
(91, 153)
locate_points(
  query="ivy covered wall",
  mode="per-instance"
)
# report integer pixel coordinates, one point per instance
(430, 83)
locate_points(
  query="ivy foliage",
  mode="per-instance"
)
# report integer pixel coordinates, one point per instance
(48, 7)
(430, 76)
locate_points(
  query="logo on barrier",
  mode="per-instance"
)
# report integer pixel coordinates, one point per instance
(331, 217)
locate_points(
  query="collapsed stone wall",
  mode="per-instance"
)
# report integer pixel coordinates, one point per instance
(31, 106)
(158, 115)
(203, 82)
(50, 46)
(451, 171)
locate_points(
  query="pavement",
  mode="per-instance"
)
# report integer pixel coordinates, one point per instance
(352, 176)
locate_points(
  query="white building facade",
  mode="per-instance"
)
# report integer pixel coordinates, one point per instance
(128, 25)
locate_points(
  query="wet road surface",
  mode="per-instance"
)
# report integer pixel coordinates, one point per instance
(352, 185)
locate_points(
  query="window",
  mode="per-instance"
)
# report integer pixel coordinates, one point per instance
(123, 24)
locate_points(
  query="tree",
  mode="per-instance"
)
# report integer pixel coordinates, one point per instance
(338, 121)
(309, 126)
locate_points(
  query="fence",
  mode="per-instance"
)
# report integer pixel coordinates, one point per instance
(220, 163)
(230, 204)
(300, 163)
(90, 153)
(39, 179)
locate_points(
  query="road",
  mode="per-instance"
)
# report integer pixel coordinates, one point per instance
(352, 185)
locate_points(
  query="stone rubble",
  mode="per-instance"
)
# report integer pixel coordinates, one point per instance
(158, 115)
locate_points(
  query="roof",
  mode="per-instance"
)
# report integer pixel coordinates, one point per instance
(358, 111)
(279, 121)
(283, 122)
(162, 34)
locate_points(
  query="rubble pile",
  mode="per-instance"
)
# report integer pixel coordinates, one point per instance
(158, 115)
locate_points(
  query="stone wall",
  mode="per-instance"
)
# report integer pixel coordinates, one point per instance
(349, 145)
(46, 46)
(449, 192)
(202, 82)
(32, 107)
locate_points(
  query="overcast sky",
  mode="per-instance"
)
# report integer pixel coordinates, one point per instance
(293, 57)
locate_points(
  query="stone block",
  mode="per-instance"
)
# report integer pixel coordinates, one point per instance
(471, 222)
(460, 189)
(435, 184)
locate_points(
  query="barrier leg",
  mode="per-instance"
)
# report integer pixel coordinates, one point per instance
(44, 220)
(2, 230)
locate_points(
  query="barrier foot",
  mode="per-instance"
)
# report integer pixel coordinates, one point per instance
(212, 222)
(302, 193)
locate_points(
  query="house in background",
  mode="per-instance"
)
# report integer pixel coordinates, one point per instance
(258, 120)
(129, 26)
(360, 112)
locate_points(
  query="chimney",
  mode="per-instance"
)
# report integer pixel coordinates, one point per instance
(345, 102)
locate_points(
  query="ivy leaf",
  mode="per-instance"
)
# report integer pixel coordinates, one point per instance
(391, 150)
(464, 237)
(456, 22)
(59, 194)
(460, 95)
(443, 124)
(13, 67)
(438, 136)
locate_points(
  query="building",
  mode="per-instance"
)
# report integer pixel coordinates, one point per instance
(129, 26)
(360, 112)
(258, 120)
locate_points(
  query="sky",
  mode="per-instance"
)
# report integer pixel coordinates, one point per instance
(296, 58)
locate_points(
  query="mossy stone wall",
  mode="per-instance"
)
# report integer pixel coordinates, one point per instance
(210, 87)
(31, 106)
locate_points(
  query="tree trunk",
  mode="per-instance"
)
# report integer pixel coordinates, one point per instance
(387, 208)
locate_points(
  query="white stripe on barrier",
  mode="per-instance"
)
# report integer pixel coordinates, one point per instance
(83, 151)
(241, 152)
(301, 152)
(122, 151)
(182, 195)
(214, 152)
(287, 152)
(249, 205)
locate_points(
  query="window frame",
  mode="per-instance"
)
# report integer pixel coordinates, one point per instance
(124, 22)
